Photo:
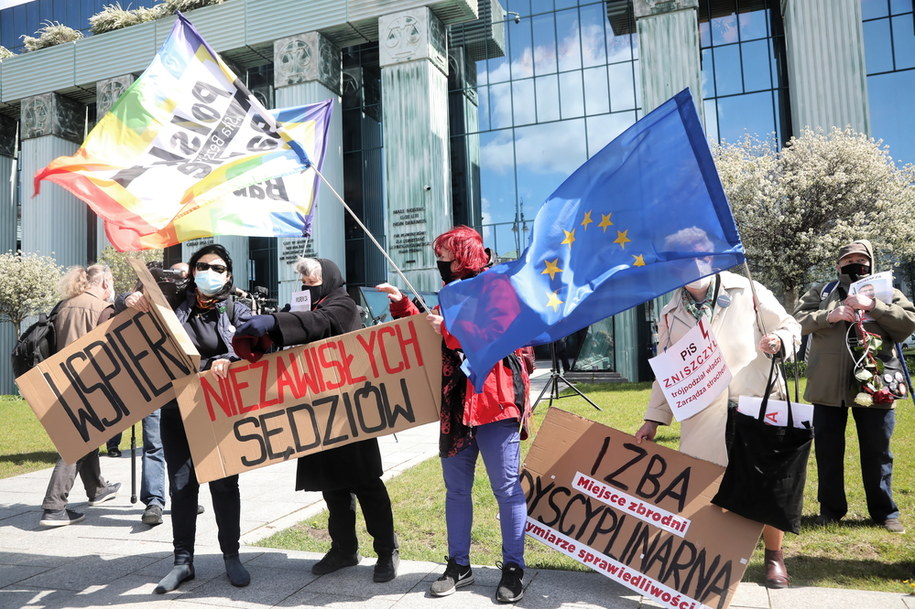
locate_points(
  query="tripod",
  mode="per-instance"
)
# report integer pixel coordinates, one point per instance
(553, 383)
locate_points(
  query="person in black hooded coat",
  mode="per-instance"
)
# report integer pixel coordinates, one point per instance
(351, 471)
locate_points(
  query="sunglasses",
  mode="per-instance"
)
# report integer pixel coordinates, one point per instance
(217, 268)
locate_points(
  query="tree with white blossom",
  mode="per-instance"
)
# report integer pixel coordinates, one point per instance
(796, 206)
(28, 286)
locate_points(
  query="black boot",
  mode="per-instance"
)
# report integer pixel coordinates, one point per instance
(238, 575)
(386, 567)
(334, 561)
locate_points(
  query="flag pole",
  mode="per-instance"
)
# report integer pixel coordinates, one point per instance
(372, 237)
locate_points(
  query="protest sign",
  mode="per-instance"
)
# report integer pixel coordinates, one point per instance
(692, 372)
(878, 286)
(112, 377)
(301, 301)
(348, 388)
(640, 514)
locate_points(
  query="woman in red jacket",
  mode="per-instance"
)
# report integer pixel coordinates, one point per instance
(490, 424)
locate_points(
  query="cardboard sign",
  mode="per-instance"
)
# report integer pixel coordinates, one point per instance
(368, 383)
(639, 514)
(112, 377)
(777, 411)
(692, 373)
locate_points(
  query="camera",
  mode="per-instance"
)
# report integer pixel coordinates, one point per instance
(256, 300)
(172, 282)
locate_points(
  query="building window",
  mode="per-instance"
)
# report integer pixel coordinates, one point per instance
(889, 53)
(744, 90)
(562, 85)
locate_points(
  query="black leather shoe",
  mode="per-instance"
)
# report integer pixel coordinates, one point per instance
(334, 561)
(386, 567)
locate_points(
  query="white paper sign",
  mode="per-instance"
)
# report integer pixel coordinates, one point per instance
(777, 411)
(301, 301)
(878, 286)
(692, 373)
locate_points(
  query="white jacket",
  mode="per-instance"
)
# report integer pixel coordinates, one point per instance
(738, 333)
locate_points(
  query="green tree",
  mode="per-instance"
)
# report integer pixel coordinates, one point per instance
(124, 276)
(796, 206)
(28, 286)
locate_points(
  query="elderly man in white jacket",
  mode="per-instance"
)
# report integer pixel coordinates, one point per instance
(725, 301)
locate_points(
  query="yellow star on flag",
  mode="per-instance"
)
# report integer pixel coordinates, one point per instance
(554, 301)
(570, 237)
(587, 220)
(605, 221)
(639, 260)
(552, 267)
(622, 238)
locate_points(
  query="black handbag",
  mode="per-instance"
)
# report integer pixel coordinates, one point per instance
(767, 467)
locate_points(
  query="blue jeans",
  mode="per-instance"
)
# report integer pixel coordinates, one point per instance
(152, 478)
(875, 427)
(500, 445)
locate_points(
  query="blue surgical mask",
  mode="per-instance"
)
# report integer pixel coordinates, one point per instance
(210, 282)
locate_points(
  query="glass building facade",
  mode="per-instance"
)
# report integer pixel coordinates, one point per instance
(744, 87)
(889, 51)
(548, 84)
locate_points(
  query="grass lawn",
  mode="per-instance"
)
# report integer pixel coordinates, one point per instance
(854, 554)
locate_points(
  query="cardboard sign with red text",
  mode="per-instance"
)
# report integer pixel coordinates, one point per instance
(365, 384)
(691, 373)
(107, 380)
(640, 514)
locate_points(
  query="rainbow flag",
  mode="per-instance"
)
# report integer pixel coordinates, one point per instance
(187, 151)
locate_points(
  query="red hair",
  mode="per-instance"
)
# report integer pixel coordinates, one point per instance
(467, 246)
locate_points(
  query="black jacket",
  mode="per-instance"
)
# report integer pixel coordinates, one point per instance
(333, 313)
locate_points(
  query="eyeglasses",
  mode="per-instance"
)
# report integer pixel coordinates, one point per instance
(217, 268)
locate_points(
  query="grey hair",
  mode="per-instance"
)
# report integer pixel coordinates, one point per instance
(78, 279)
(309, 267)
(692, 239)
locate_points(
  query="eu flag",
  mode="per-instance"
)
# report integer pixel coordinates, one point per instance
(607, 239)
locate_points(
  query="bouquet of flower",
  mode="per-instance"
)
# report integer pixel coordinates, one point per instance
(878, 384)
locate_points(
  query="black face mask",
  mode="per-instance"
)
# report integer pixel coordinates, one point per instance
(856, 270)
(315, 291)
(444, 269)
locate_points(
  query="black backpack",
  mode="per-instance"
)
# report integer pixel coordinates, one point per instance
(36, 344)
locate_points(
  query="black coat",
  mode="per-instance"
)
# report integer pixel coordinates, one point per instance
(333, 313)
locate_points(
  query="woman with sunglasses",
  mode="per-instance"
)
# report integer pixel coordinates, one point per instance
(210, 318)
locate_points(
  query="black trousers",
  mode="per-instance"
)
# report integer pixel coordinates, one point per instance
(376, 507)
(184, 490)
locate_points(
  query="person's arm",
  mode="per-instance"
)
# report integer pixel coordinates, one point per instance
(658, 410)
(332, 318)
(779, 324)
(399, 305)
(809, 314)
(897, 318)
